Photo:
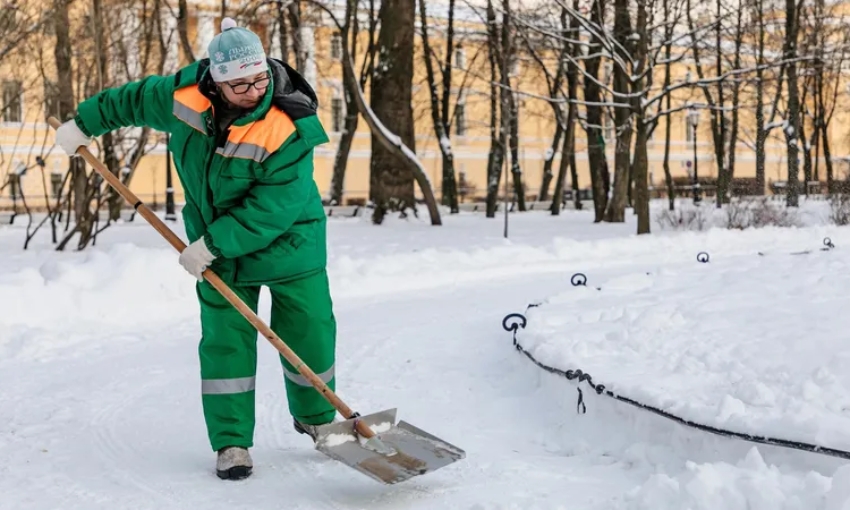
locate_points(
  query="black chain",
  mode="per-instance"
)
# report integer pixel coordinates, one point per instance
(514, 321)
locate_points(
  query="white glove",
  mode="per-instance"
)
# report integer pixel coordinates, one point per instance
(69, 136)
(195, 258)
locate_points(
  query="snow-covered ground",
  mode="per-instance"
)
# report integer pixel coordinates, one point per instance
(99, 390)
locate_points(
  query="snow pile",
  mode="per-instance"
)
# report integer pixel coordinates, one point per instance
(124, 284)
(434, 267)
(749, 484)
(114, 287)
(752, 344)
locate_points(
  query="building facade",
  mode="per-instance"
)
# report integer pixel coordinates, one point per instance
(26, 140)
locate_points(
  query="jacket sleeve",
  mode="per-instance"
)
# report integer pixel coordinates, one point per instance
(271, 207)
(147, 102)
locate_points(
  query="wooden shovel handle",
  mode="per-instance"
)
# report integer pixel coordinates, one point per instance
(222, 287)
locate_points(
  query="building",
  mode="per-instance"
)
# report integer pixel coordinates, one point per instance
(26, 139)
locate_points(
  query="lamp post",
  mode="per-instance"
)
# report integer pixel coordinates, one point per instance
(693, 118)
(169, 186)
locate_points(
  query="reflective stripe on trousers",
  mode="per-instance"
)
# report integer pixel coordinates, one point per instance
(300, 380)
(227, 386)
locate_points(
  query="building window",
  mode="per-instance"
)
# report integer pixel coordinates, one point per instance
(460, 58)
(13, 107)
(608, 132)
(13, 185)
(460, 119)
(51, 99)
(336, 47)
(56, 181)
(336, 114)
(14, 179)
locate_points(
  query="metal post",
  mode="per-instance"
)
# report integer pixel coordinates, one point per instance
(169, 187)
(697, 198)
(507, 188)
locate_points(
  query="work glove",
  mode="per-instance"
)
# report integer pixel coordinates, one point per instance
(195, 258)
(69, 136)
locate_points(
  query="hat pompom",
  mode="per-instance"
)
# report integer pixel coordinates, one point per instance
(227, 24)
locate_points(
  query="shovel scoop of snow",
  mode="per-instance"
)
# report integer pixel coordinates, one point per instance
(397, 451)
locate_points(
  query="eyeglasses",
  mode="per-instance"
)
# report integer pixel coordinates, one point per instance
(242, 88)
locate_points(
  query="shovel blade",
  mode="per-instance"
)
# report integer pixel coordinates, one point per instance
(401, 451)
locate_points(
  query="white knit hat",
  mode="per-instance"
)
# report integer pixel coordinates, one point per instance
(235, 53)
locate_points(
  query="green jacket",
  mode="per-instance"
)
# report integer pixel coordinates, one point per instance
(249, 190)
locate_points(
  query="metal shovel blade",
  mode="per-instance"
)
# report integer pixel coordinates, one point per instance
(397, 453)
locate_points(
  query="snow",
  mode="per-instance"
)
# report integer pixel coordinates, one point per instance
(338, 439)
(99, 390)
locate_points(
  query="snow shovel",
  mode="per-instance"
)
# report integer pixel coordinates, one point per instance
(397, 453)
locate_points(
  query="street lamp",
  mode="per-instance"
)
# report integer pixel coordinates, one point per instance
(169, 185)
(693, 119)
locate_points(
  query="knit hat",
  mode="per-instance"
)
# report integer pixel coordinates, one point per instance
(235, 53)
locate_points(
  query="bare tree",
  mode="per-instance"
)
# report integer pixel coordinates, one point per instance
(538, 46)
(104, 58)
(390, 182)
(388, 140)
(19, 19)
(498, 132)
(350, 89)
(440, 101)
(792, 119)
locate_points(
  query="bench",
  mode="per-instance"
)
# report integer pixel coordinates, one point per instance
(346, 211)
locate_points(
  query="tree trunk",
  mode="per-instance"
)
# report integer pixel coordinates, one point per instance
(568, 159)
(495, 157)
(110, 159)
(555, 93)
(736, 107)
(350, 88)
(64, 74)
(558, 194)
(595, 142)
(668, 50)
(793, 127)
(440, 107)
(294, 14)
(827, 157)
(510, 117)
(615, 213)
(807, 149)
(718, 115)
(183, 31)
(391, 183)
(543, 195)
(282, 31)
(761, 134)
(345, 141)
(450, 197)
(641, 161)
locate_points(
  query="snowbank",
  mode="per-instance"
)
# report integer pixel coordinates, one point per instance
(749, 484)
(749, 343)
(755, 344)
(126, 283)
(115, 287)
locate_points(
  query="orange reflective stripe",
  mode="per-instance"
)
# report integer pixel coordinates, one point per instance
(192, 98)
(188, 106)
(269, 133)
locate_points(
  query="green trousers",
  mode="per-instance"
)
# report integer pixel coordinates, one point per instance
(302, 316)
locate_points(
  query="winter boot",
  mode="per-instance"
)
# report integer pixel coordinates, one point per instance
(310, 430)
(234, 463)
